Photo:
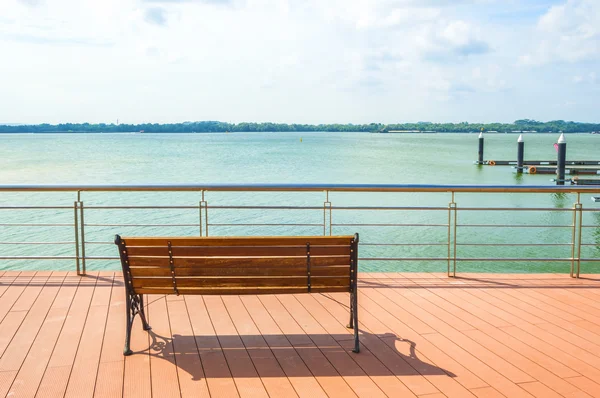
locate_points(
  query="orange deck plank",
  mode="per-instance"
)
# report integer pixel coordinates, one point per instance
(55, 379)
(587, 385)
(216, 369)
(325, 373)
(136, 377)
(13, 288)
(109, 381)
(422, 334)
(192, 380)
(242, 369)
(16, 352)
(85, 368)
(436, 375)
(343, 361)
(415, 350)
(368, 362)
(30, 375)
(163, 370)
(503, 367)
(305, 384)
(272, 375)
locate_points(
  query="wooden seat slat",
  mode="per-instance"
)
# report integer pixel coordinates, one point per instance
(243, 251)
(239, 261)
(236, 281)
(239, 241)
(333, 270)
(242, 291)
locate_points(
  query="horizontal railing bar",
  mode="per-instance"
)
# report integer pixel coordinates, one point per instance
(388, 225)
(138, 207)
(513, 209)
(331, 207)
(35, 225)
(37, 243)
(264, 225)
(301, 187)
(217, 207)
(589, 259)
(36, 207)
(101, 258)
(366, 208)
(231, 207)
(591, 244)
(37, 257)
(403, 258)
(141, 225)
(514, 244)
(55, 258)
(543, 259)
(361, 244)
(362, 258)
(386, 208)
(512, 226)
(294, 208)
(462, 259)
(403, 244)
(590, 226)
(385, 259)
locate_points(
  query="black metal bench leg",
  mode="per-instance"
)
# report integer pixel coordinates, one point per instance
(355, 316)
(351, 323)
(143, 314)
(135, 305)
(128, 325)
(354, 320)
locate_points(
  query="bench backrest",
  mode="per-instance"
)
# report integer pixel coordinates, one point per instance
(238, 265)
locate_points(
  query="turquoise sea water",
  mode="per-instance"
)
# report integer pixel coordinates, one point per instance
(292, 158)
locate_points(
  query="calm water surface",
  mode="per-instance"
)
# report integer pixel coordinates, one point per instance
(289, 158)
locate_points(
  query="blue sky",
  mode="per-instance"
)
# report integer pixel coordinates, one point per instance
(305, 61)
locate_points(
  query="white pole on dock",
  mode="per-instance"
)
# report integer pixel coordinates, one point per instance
(562, 159)
(520, 152)
(480, 158)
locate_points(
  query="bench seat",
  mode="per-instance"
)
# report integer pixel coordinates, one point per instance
(237, 265)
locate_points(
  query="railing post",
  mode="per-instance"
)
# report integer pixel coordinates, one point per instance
(76, 225)
(326, 208)
(580, 227)
(452, 218)
(203, 209)
(573, 239)
(82, 230)
(576, 238)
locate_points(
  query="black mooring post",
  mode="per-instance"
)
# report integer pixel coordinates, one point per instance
(562, 160)
(480, 153)
(520, 151)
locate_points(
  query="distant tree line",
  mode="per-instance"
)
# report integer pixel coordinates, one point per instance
(554, 126)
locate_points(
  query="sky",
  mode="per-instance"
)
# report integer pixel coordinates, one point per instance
(299, 61)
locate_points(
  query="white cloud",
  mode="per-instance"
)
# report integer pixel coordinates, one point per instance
(280, 60)
(452, 39)
(569, 32)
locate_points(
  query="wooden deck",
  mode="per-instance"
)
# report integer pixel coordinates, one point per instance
(422, 335)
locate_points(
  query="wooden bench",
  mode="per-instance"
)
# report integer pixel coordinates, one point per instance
(237, 265)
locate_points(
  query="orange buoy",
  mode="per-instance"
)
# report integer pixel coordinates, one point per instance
(532, 170)
(492, 163)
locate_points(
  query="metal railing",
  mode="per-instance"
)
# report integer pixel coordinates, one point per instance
(387, 229)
